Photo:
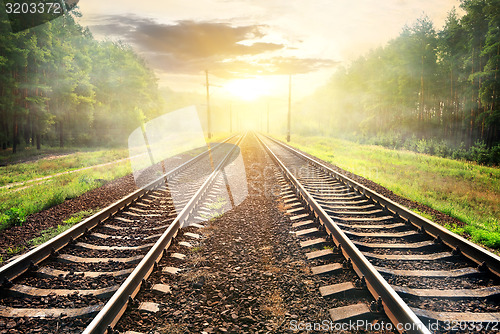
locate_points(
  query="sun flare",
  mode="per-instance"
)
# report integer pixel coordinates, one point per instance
(249, 89)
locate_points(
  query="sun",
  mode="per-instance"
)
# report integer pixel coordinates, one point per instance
(248, 89)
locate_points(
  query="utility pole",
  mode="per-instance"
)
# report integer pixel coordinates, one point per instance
(209, 122)
(261, 120)
(238, 121)
(230, 118)
(289, 107)
(267, 116)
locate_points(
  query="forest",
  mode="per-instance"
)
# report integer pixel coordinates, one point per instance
(59, 86)
(431, 91)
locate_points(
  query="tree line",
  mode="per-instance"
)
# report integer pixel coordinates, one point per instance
(60, 86)
(437, 89)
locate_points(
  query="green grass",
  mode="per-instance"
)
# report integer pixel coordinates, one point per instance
(196, 249)
(28, 153)
(216, 209)
(49, 233)
(16, 205)
(51, 164)
(464, 190)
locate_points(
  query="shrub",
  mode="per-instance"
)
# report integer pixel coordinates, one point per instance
(56, 198)
(422, 146)
(442, 149)
(494, 155)
(13, 217)
(410, 144)
(478, 153)
(460, 153)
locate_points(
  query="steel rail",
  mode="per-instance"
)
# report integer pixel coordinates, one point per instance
(116, 306)
(485, 259)
(23, 263)
(403, 318)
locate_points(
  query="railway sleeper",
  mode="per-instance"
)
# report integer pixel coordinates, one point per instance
(487, 292)
(399, 235)
(29, 291)
(11, 312)
(414, 246)
(352, 313)
(156, 228)
(455, 273)
(395, 226)
(106, 236)
(327, 269)
(460, 320)
(318, 242)
(413, 257)
(361, 219)
(112, 248)
(310, 232)
(345, 206)
(375, 212)
(327, 204)
(72, 259)
(47, 272)
(343, 290)
(304, 223)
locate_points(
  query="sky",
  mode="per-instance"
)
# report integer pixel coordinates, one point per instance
(250, 47)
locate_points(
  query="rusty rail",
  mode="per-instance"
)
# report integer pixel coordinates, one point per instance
(116, 306)
(23, 263)
(395, 308)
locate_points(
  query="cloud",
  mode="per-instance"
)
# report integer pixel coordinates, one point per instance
(271, 66)
(187, 39)
(190, 47)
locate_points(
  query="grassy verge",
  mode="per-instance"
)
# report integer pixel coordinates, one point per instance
(30, 153)
(16, 205)
(57, 163)
(49, 233)
(464, 190)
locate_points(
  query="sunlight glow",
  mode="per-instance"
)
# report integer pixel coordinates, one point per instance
(249, 89)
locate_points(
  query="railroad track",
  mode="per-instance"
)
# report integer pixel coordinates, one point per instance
(98, 266)
(423, 277)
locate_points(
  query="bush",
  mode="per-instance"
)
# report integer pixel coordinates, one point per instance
(460, 153)
(494, 155)
(444, 149)
(478, 153)
(426, 146)
(55, 199)
(410, 144)
(13, 217)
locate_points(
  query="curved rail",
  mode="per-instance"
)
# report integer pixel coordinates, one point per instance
(114, 308)
(395, 308)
